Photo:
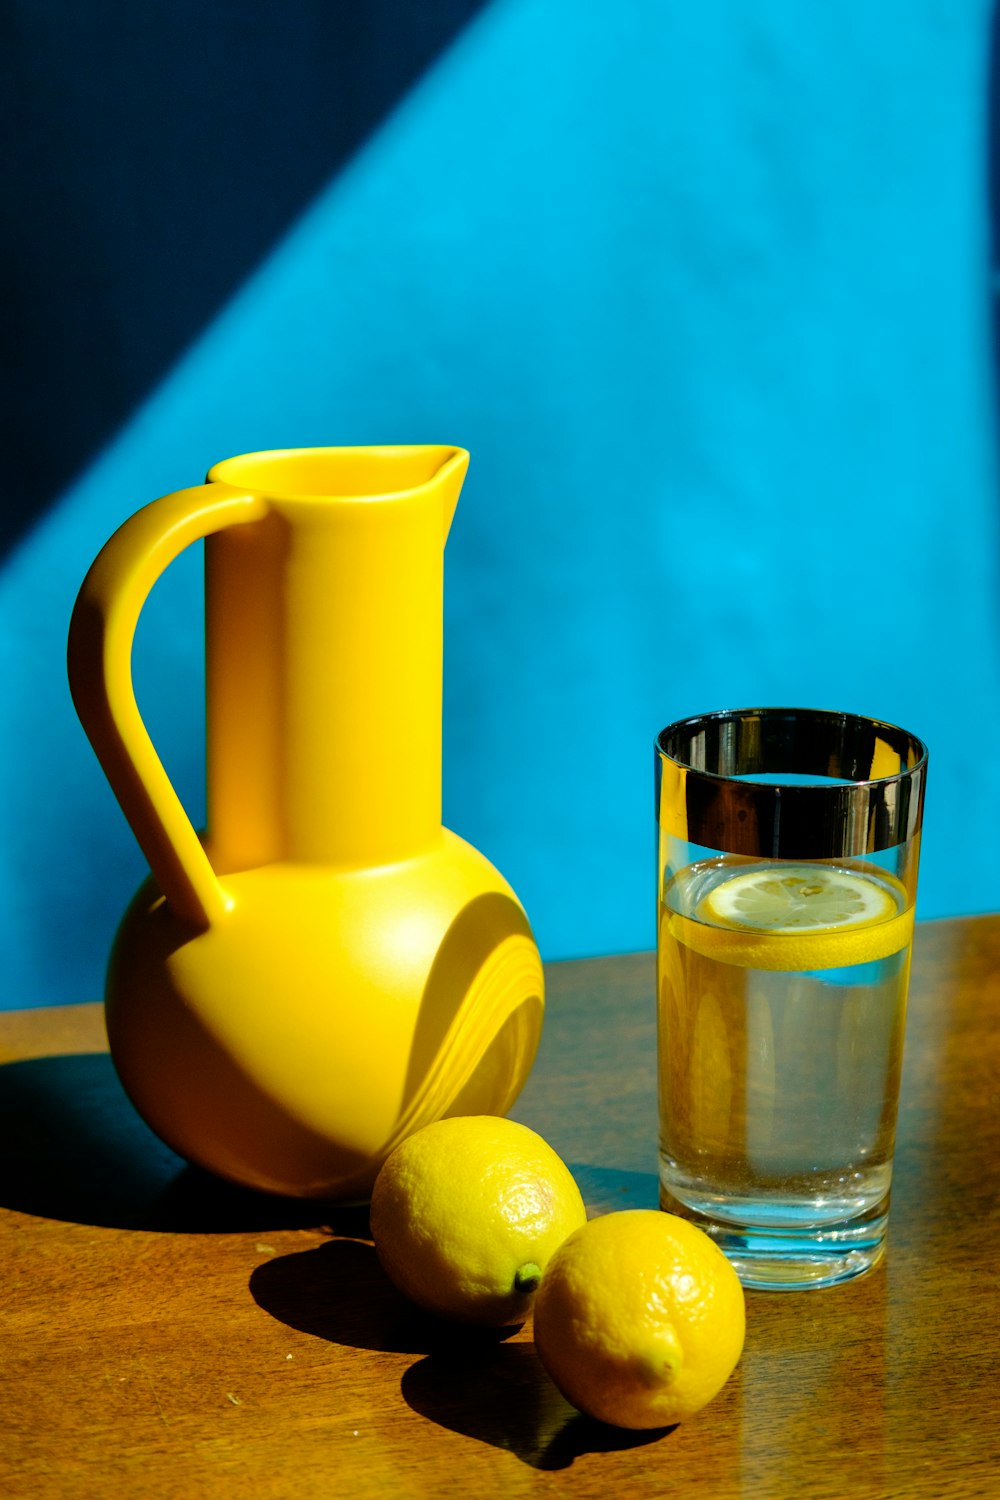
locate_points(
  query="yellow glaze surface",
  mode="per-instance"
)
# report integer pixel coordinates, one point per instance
(329, 968)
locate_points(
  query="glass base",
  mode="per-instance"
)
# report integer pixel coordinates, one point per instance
(787, 1257)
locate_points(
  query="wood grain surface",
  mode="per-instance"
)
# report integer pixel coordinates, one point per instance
(165, 1335)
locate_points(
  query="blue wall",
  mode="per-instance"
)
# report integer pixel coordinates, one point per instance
(704, 289)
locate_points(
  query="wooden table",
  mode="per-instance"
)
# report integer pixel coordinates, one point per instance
(167, 1336)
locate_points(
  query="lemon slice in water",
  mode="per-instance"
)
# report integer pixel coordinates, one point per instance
(797, 898)
(790, 916)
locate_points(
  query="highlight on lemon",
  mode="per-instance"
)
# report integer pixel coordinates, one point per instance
(467, 1213)
(640, 1319)
(779, 914)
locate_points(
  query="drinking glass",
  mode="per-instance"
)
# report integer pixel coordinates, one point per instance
(787, 869)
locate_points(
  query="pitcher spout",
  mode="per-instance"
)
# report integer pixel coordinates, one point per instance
(449, 480)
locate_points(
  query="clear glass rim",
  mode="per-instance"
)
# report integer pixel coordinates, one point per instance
(907, 745)
(871, 797)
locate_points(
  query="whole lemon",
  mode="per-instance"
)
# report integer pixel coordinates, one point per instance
(640, 1319)
(466, 1214)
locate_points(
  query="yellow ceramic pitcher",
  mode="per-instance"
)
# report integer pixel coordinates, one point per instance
(330, 968)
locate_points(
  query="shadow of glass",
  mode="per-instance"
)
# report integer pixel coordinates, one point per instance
(608, 1189)
(75, 1150)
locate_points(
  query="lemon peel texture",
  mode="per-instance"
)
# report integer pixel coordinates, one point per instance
(466, 1214)
(640, 1319)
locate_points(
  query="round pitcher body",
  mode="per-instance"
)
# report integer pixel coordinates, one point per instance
(291, 1045)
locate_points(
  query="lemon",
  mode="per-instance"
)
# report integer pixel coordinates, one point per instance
(640, 1319)
(783, 915)
(467, 1212)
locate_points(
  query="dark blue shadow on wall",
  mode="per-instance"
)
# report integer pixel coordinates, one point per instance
(156, 152)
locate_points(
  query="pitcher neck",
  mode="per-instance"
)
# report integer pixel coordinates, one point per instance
(324, 682)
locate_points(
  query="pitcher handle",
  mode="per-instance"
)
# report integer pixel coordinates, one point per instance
(99, 661)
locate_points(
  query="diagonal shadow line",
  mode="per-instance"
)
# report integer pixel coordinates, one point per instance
(162, 152)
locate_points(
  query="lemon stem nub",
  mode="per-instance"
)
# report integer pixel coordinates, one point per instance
(528, 1277)
(659, 1362)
